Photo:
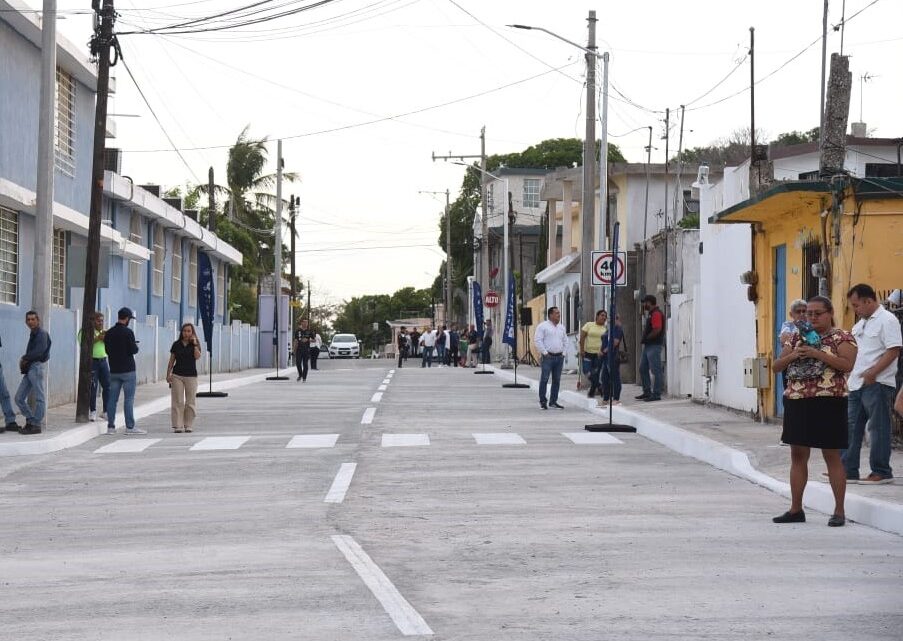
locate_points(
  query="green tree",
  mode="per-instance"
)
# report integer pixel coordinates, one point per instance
(358, 315)
(796, 137)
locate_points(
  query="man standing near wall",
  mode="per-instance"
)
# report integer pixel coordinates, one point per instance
(653, 341)
(33, 366)
(872, 384)
(9, 415)
(100, 369)
(121, 349)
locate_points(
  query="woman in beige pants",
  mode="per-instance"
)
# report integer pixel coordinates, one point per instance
(182, 376)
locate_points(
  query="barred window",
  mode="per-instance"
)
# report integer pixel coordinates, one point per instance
(9, 256)
(176, 269)
(531, 192)
(220, 289)
(159, 259)
(135, 236)
(193, 276)
(64, 132)
(58, 284)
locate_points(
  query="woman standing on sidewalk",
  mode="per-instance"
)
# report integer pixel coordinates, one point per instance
(815, 404)
(591, 350)
(182, 376)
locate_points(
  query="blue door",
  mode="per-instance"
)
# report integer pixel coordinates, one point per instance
(779, 313)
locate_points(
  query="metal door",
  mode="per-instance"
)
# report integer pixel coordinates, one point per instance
(779, 313)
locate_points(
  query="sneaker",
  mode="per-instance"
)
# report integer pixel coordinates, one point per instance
(30, 428)
(298, 379)
(135, 430)
(642, 397)
(542, 405)
(103, 415)
(111, 430)
(871, 479)
(652, 399)
(556, 406)
(92, 415)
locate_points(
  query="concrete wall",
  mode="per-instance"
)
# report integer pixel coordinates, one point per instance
(856, 159)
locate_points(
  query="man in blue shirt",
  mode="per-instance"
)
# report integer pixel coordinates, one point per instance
(33, 366)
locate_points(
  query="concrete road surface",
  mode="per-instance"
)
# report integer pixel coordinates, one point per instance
(364, 505)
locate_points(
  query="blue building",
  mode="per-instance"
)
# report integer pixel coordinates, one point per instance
(149, 256)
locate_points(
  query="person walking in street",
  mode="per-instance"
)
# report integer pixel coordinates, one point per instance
(454, 341)
(315, 348)
(611, 363)
(653, 341)
(100, 368)
(121, 349)
(415, 343)
(590, 350)
(551, 340)
(473, 346)
(441, 345)
(33, 366)
(301, 342)
(487, 341)
(9, 415)
(872, 385)
(427, 343)
(182, 376)
(401, 344)
(815, 405)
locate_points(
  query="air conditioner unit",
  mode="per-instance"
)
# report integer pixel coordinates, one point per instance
(112, 160)
(756, 373)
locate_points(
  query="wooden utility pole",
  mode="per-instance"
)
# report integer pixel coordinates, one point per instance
(101, 44)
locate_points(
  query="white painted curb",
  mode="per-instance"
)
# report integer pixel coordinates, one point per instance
(882, 515)
(83, 433)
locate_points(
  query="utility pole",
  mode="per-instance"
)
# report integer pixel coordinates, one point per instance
(605, 223)
(101, 43)
(211, 202)
(666, 226)
(824, 63)
(589, 176)
(291, 223)
(448, 257)
(646, 215)
(678, 192)
(752, 101)
(277, 268)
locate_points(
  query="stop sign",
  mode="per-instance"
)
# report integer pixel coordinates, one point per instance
(492, 299)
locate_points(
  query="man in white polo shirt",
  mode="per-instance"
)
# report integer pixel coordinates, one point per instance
(551, 341)
(872, 384)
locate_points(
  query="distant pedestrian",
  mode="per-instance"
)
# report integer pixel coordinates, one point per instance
(301, 342)
(653, 340)
(612, 346)
(486, 343)
(33, 366)
(815, 404)
(121, 349)
(551, 341)
(9, 415)
(591, 349)
(441, 345)
(415, 342)
(315, 348)
(182, 376)
(427, 343)
(454, 341)
(872, 385)
(473, 346)
(401, 344)
(100, 368)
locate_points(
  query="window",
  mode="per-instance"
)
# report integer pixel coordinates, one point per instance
(135, 236)
(176, 269)
(220, 289)
(58, 282)
(9, 256)
(193, 276)
(531, 192)
(490, 198)
(811, 256)
(159, 259)
(64, 133)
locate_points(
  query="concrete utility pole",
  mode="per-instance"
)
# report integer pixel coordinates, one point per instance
(448, 257)
(101, 43)
(43, 247)
(824, 61)
(837, 110)
(211, 202)
(589, 175)
(277, 270)
(605, 223)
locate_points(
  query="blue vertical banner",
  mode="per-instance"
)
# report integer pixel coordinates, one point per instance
(206, 297)
(509, 336)
(478, 307)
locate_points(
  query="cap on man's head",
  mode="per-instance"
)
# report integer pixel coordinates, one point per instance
(125, 312)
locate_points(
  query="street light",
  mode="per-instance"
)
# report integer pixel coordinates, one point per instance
(448, 256)
(589, 157)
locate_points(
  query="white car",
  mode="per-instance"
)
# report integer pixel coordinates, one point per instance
(344, 346)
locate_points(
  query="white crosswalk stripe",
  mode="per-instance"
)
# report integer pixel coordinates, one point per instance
(592, 438)
(129, 445)
(311, 441)
(220, 443)
(498, 438)
(405, 440)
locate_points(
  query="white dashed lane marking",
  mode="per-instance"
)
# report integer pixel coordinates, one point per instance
(377, 397)
(367, 418)
(341, 483)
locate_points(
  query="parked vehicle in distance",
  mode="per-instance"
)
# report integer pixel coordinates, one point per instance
(344, 346)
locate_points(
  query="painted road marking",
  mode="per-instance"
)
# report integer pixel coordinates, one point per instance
(377, 397)
(403, 614)
(367, 418)
(129, 445)
(592, 438)
(220, 443)
(405, 440)
(498, 438)
(383, 387)
(386, 381)
(340, 484)
(313, 441)
(391, 371)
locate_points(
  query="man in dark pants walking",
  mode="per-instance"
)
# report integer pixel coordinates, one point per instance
(653, 343)
(301, 346)
(454, 340)
(121, 348)
(402, 345)
(487, 341)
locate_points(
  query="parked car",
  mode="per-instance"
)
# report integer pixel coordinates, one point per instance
(344, 346)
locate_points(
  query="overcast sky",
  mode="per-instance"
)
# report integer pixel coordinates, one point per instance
(312, 78)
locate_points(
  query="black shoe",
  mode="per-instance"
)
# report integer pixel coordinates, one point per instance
(11, 427)
(591, 394)
(556, 406)
(30, 428)
(836, 521)
(298, 379)
(643, 396)
(790, 517)
(650, 399)
(543, 405)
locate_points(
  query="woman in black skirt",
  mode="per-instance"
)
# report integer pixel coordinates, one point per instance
(816, 364)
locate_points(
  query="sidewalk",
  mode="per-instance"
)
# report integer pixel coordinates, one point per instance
(61, 431)
(735, 443)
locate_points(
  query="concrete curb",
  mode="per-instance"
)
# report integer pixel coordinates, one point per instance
(83, 433)
(882, 515)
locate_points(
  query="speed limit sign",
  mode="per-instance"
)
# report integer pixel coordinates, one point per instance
(609, 268)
